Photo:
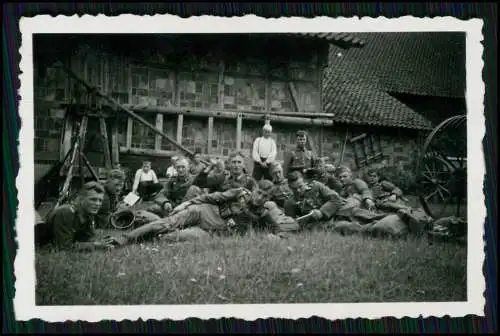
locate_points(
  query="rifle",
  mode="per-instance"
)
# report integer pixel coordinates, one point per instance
(304, 219)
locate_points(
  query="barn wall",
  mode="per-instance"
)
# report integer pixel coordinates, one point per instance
(207, 79)
(203, 81)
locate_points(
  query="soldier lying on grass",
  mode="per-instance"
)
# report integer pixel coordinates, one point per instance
(387, 196)
(214, 213)
(320, 207)
(160, 203)
(72, 225)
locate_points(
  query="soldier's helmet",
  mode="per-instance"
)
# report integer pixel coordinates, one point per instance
(122, 219)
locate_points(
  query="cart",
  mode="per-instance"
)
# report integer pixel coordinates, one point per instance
(442, 170)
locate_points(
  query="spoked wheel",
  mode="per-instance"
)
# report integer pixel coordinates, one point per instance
(442, 174)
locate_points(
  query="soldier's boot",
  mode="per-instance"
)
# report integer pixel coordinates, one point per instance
(150, 229)
(416, 219)
(189, 234)
(367, 215)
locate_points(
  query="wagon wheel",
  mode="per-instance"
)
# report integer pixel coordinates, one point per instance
(442, 174)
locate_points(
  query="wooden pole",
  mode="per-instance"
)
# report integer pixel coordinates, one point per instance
(294, 95)
(210, 134)
(180, 125)
(341, 160)
(130, 125)
(105, 140)
(67, 135)
(115, 145)
(159, 125)
(233, 115)
(239, 124)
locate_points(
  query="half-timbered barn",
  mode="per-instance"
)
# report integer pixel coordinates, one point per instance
(210, 93)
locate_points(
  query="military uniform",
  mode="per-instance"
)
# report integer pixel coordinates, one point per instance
(330, 181)
(358, 190)
(243, 181)
(299, 159)
(212, 213)
(65, 226)
(382, 190)
(316, 196)
(281, 192)
(195, 169)
(212, 180)
(180, 189)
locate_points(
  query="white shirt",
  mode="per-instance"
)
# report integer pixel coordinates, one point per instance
(264, 148)
(142, 176)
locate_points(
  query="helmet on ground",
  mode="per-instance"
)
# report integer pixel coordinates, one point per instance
(122, 219)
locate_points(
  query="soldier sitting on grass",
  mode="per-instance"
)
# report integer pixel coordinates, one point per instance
(72, 225)
(180, 188)
(355, 190)
(281, 191)
(387, 196)
(237, 177)
(218, 212)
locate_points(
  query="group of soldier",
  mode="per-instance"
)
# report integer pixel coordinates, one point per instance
(302, 194)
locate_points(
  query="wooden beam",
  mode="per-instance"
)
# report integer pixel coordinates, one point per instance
(177, 91)
(210, 134)
(180, 124)
(220, 112)
(159, 125)
(234, 115)
(148, 152)
(105, 141)
(220, 87)
(130, 125)
(67, 135)
(294, 95)
(239, 124)
(267, 98)
(356, 138)
(115, 145)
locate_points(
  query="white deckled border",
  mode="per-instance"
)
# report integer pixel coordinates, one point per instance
(24, 301)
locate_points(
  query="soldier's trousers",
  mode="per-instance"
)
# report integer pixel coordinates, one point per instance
(389, 206)
(204, 216)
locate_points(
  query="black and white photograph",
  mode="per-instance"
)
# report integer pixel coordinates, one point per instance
(204, 170)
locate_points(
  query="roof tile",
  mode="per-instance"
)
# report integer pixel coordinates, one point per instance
(356, 86)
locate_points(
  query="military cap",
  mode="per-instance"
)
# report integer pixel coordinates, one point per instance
(301, 133)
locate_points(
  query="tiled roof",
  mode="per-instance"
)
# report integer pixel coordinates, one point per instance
(343, 40)
(366, 103)
(420, 63)
(357, 82)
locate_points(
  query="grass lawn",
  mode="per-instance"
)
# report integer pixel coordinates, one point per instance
(309, 267)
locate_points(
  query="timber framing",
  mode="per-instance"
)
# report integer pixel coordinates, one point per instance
(273, 86)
